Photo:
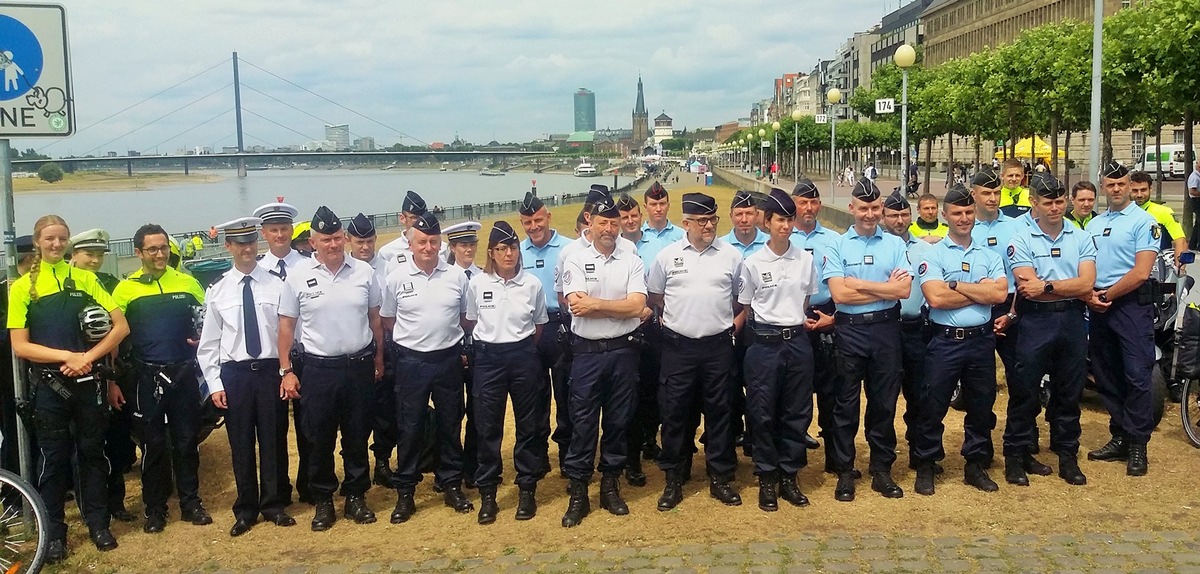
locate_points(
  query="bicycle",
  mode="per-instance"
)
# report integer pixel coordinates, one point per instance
(24, 524)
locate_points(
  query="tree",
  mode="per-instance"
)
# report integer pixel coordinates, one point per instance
(50, 172)
(676, 144)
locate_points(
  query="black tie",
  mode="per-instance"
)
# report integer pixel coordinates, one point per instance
(282, 270)
(468, 273)
(250, 320)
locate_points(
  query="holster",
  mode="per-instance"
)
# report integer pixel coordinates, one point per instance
(1149, 292)
(563, 336)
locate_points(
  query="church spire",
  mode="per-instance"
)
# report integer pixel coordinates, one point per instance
(640, 108)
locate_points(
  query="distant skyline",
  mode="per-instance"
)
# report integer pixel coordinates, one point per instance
(478, 69)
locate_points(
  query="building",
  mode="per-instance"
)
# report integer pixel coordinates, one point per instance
(959, 28)
(320, 145)
(662, 128)
(903, 26)
(365, 143)
(851, 70)
(585, 110)
(339, 135)
(641, 118)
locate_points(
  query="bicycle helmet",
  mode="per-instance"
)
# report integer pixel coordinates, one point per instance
(95, 322)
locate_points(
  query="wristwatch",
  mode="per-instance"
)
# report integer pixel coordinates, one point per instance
(283, 372)
(953, 285)
(1049, 288)
(1011, 317)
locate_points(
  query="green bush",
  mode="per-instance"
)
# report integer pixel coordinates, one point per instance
(50, 172)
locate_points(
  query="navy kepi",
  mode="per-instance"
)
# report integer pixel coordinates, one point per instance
(1047, 186)
(896, 202)
(698, 204)
(743, 198)
(806, 188)
(361, 227)
(606, 208)
(656, 192)
(986, 178)
(960, 196)
(1114, 170)
(326, 221)
(865, 190)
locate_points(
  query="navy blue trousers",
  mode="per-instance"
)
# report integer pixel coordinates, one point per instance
(602, 385)
(254, 420)
(914, 339)
(697, 369)
(1121, 346)
(870, 360)
(420, 377)
(972, 361)
(338, 398)
(511, 372)
(779, 406)
(1048, 343)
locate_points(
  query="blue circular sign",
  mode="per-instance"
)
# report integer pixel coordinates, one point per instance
(20, 58)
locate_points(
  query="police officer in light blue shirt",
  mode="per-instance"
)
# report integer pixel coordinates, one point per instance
(1055, 267)
(993, 231)
(868, 273)
(658, 203)
(745, 235)
(1121, 338)
(961, 281)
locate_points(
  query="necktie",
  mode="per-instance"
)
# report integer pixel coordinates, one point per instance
(250, 320)
(468, 273)
(282, 270)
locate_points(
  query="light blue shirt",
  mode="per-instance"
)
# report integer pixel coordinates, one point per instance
(1052, 258)
(648, 248)
(867, 257)
(910, 308)
(1119, 236)
(949, 262)
(816, 244)
(541, 263)
(670, 232)
(760, 240)
(995, 235)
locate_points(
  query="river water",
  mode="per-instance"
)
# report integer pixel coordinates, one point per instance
(183, 207)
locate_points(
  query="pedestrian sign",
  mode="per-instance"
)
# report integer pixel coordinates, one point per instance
(36, 97)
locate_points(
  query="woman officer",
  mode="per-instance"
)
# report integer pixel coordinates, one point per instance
(507, 307)
(45, 309)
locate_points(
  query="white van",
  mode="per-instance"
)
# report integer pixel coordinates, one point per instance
(1174, 164)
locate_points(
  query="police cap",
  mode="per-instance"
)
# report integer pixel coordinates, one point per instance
(277, 212)
(1114, 170)
(427, 223)
(806, 188)
(1046, 185)
(986, 178)
(466, 232)
(698, 204)
(896, 202)
(92, 239)
(960, 196)
(530, 205)
(413, 203)
(743, 198)
(325, 221)
(361, 227)
(240, 230)
(656, 192)
(865, 190)
(502, 233)
(778, 202)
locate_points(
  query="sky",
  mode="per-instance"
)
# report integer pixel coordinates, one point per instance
(420, 72)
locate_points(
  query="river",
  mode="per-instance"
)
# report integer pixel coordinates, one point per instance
(185, 207)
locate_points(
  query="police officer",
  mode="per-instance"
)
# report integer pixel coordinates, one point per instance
(280, 259)
(87, 252)
(816, 239)
(776, 284)
(1083, 202)
(45, 312)
(360, 233)
(693, 283)
(1121, 335)
(1172, 232)
(927, 225)
(463, 239)
(961, 280)
(159, 302)
(605, 289)
(507, 309)
(747, 238)
(336, 299)
(239, 356)
(658, 203)
(1014, 199)
(1055, 268)
(867, 272)
(914, 336)
(423, 309)
(397, 251)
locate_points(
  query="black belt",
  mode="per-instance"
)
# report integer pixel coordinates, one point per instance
(366, 355)
(454, 350)
(707, 339)
(1027, 306)
(557, 317)
(828, 307)
(914, 324)
(892, 314)
(580, 345)
(774, 334)
(497, 348)
(962, 333)
(270, 365)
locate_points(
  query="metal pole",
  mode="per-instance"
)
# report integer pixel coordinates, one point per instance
(1094, 127)
(904, 126)
(10, 258)
(795, 152)
(237, 113)
(776, 150)
(832, 147)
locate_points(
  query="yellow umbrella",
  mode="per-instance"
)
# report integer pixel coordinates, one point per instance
(1040, 148)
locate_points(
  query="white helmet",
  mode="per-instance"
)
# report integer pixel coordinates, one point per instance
(96, 323)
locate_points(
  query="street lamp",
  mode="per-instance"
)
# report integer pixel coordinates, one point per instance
(796, 115)
(905, 57)
(833, 97)
(749, 145)
(740, 153)
(775, 128)
(762, 169)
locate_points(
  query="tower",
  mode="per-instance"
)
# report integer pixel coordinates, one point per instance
(585, 110)
(641, 118)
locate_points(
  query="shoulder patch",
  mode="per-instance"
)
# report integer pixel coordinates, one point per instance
(1012, 250)
(922, 268)
(1156, 231)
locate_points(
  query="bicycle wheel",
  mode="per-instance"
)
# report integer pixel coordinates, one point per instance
(1189, 410)
(24, 524)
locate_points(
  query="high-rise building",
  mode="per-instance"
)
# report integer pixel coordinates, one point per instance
(365, 143)
(339, 135)
(585, 110)
(641, 118)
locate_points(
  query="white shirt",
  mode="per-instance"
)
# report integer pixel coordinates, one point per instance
(698, 288)
(609, 278)
(776, 286)
(581, 243)
(472, 271)
(395, 252)
(427, 308)
(505, 311)
(222, 339)
(270, 263)
(332, 306)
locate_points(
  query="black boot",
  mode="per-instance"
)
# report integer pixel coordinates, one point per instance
(1068, 470)
(976, 476)
(672, 493)
(768, 498)
(1033, 466)
(488, 509)
(357, 510)
(455, 499)
(1115, 449)
(579, 506)
(324, 517)
(790, 491)
(610, 496)
(405, 507)
(1136, 466)
(719, 489)
(633, 472)
(527, 503)
(1014, 471)
(844, 491)
(882, 483)
(383, 473)
(924, 482)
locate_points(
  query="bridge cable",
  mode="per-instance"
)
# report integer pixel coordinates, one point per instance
(155, 120)
(269, 96)
(155, 146)
(251, 112)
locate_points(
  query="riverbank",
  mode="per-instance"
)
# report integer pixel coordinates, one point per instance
(109, 181)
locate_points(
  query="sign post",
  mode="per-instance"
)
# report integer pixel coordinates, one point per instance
(885, 106)
(35, 101)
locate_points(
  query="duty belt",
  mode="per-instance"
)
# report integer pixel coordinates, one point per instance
(557, 317)
(913, 324)
(773, 334)
(963, 333)
(496, 348)
(726, 334)
(454, 350)
(892, 314)
(366, 355)
(269, 365)
(1027, 306)
(581, 345)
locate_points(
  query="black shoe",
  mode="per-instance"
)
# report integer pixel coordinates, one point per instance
(1115, 449)
(672, 493)
(882, 483)
(103, 539)
(1137, 464)
(811, 443)
(281, 518)
(405, 507)
(123, 515)
(924, 482)
(1014, 471)
(56, 551)
(196, 515)
(844, 492)
(1033, 466)
(155, 523)
(356, 510)
(1068, 470)
(720, 490)
(651, 451)
(768, 498)
(790, 491)
(610, 496)
(383, 473)
(634, 475)
(974, 475)
(579, 506)
(455, 499)
(488, 509)
(526, 504)
(324, 517)
(240, 527)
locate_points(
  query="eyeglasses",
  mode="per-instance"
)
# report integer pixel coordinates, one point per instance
(156, 249)
(705, 221)
(504, 249)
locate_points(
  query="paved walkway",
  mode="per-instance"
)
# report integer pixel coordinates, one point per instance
(1141, 552)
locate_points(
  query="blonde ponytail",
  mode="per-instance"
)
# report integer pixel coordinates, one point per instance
(42, 223)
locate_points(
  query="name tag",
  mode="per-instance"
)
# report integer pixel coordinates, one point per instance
(992, 242)
(401, 258)
(809, 250)
(407, 287)
(966, 267)
(487, 295)
(589, 268)
(540, 263)
(311, 282)
(868, 259)
(1107, 231)
(1056, 252)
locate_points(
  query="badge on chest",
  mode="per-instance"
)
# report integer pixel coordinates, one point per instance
(1055, 252)
(589, 268)
(540, 263)
(966, 267)
(311, 282)
(401, 258)
(487, 295)
(992, 242)
(678, 262)
(868, 259)
(766, 277)
(1107, 231)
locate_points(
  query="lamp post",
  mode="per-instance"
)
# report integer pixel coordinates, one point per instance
(905, 57)
(740, 151)
(775, 128)
(762, 168)
(796, 115)
(833, 97)
(749, 145)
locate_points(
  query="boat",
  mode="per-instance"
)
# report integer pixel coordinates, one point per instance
(491, 172)
(445, 166)
(586, 169)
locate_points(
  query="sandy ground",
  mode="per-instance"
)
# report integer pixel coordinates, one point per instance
(108, 181)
